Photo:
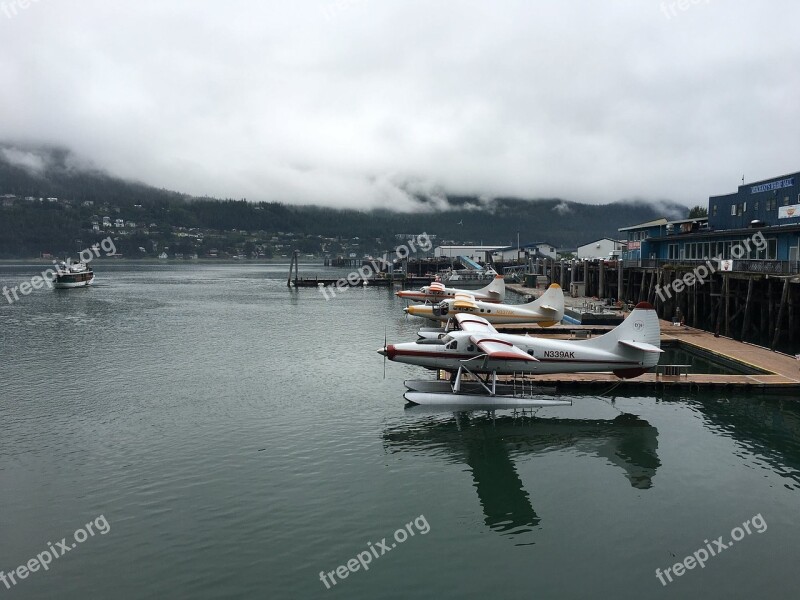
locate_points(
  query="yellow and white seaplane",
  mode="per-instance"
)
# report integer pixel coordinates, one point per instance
(436, 292)
(628, 350)
(546, 311)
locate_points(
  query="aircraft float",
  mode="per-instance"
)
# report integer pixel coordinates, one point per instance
(628, 350)
(436, 292)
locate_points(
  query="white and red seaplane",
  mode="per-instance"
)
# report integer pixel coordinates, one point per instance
(546, 311)
(436, 292)
(628, 350)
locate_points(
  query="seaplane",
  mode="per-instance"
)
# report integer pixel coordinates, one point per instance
(477, 348)
(436, 292)
(546, 311)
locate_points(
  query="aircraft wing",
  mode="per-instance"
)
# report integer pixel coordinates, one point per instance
(500, 349)
(463, 300)
(474, 324)
(640, 346)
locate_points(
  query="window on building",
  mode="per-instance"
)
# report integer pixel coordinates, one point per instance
(744, 207)
(733, 210)
(755, 206)
(786, 201)
(772, 249)
(672, 251)
(713, 210)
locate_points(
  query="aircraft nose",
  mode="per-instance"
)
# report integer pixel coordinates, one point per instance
(387, 351)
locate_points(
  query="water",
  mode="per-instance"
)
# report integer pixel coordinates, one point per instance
(239, 438)
(676, 353)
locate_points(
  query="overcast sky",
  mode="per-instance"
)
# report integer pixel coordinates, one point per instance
(356, 102)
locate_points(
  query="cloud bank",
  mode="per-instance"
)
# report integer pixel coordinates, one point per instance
(361, 103)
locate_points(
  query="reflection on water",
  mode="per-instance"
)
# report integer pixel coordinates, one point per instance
(767, 428)
(489, 445)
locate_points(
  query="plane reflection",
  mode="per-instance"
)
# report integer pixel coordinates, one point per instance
(489, 446)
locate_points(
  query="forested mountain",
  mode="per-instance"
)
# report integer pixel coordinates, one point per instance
(29, 226)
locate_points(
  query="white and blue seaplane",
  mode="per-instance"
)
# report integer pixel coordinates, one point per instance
(545, 311)
(477, 353)
(436, 292)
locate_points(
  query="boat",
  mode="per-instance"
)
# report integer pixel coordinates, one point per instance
(474, 275)
(73, 275)
(468, 278)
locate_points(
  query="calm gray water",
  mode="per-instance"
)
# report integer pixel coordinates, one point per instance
(239, 438)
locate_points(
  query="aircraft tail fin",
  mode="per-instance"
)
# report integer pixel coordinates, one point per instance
(549, 303)
(638, 338)
(496, 290)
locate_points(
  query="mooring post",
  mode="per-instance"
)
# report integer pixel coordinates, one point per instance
(289, 277)
(727, 306)
(601, 279)
(293, 263)
(746, 319)
(781, 310)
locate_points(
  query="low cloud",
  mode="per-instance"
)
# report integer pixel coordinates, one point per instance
(382, 102)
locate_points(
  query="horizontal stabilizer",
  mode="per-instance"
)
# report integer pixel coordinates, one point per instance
(640, 346)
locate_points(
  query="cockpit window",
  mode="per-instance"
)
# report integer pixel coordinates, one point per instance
(451, 345)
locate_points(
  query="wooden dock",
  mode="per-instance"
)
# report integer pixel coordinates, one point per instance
(778, 373)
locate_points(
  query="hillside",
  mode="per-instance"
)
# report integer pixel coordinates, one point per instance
(157, 219)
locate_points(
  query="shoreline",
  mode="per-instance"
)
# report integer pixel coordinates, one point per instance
(166, 261)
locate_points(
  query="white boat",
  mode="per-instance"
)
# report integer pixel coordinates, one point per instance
(468, 278)
(73, 275)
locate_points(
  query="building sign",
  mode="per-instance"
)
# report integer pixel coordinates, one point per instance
(634, 245)
(787, 212)
(772, 185)
(726, 265)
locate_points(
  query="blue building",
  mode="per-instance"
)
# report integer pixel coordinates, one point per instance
(773, 202)
(756, 229)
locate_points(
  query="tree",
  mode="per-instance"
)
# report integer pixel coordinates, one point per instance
(698, 212)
